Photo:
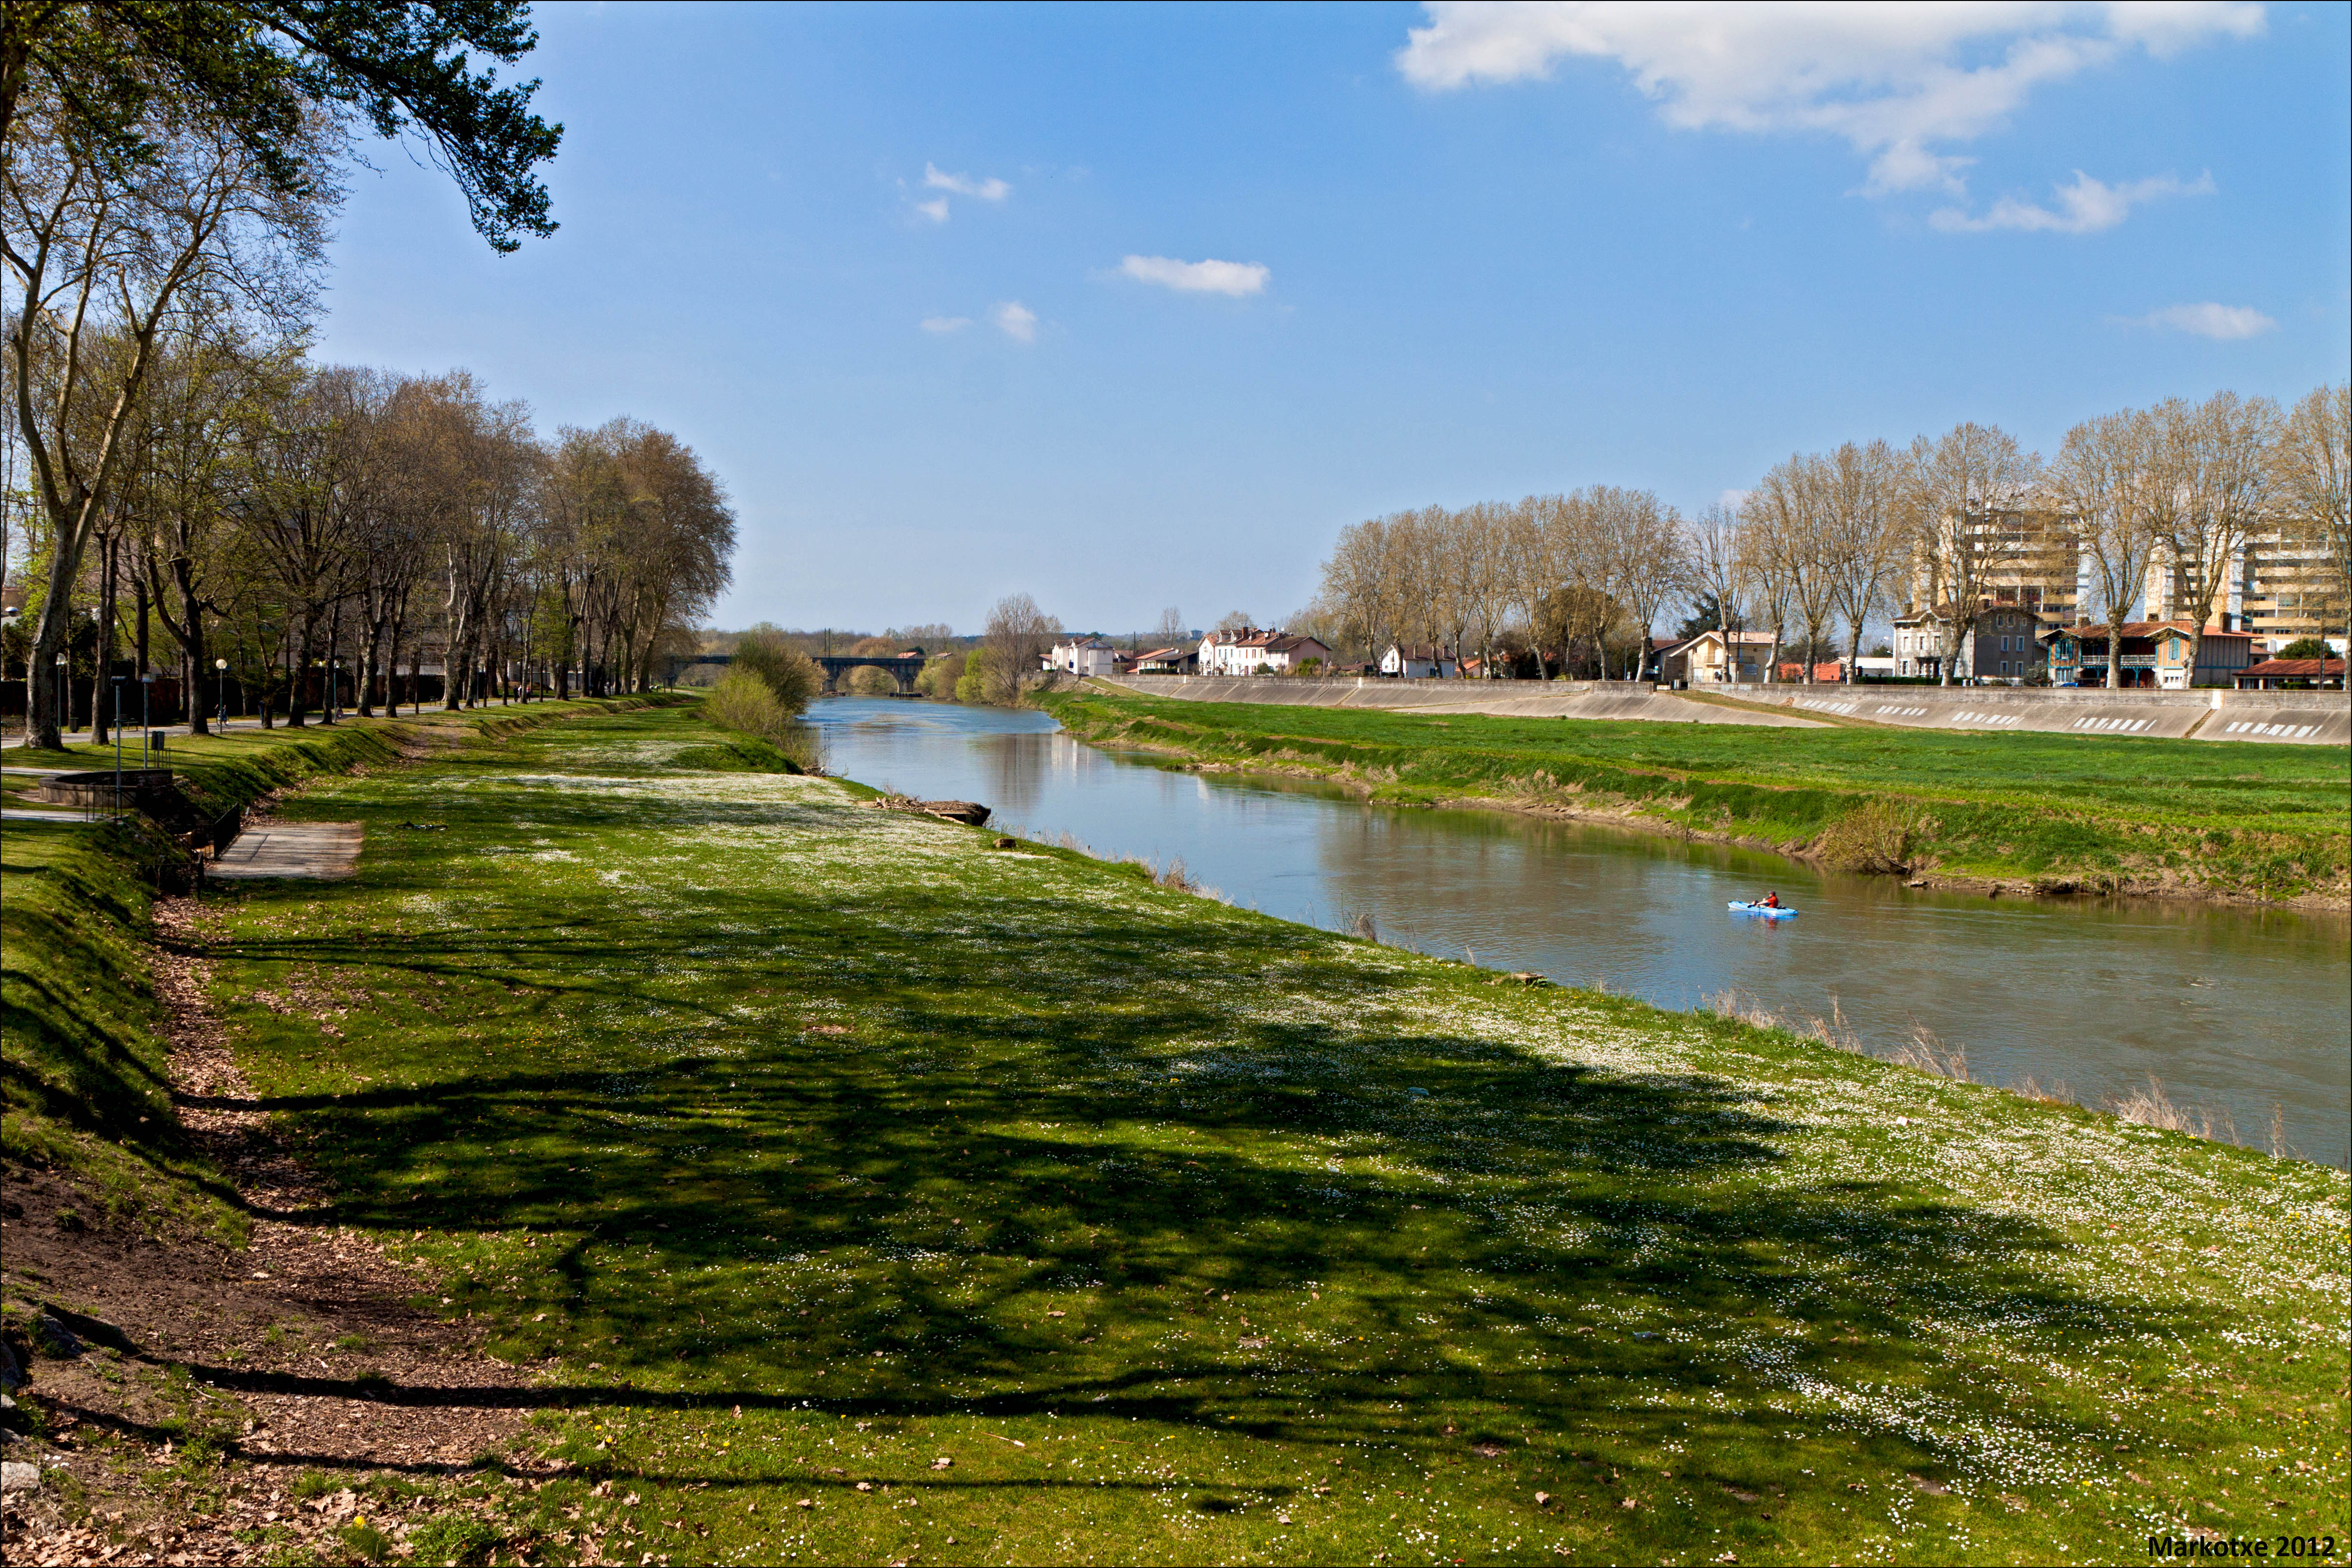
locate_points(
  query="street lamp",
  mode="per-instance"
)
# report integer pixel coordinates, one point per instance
(220, 690)
(65, 696)
(118, 740)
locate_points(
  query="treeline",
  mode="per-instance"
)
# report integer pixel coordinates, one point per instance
(1829, 542)
(177, 468)
(320, 534)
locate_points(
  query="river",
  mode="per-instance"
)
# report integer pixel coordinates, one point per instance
(2246, 1014)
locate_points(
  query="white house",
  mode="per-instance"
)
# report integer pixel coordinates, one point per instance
(1254, 650)
(1419, 662)
(1716, 658)
(1084, 655)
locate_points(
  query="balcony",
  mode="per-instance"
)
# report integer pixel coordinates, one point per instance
(2131, 661)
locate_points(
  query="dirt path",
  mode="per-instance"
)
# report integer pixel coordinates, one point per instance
(217, 1386)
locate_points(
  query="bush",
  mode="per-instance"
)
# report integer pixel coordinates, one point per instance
(2307, 647)
(938, 679)
(745, 703)
(972, 686)
(1879, 836)
(792, 676)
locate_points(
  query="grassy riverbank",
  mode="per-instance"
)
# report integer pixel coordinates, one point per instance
(86, 1088)
(851, 1190)
(2055, 813)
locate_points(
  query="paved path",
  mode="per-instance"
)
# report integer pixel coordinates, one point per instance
(317, 851)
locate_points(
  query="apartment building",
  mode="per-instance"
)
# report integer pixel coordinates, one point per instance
(2026, 558)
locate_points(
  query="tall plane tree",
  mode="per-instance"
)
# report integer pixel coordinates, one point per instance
(153, 149)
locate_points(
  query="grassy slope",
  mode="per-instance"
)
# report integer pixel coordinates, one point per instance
(2053, 810)
(83, 1086)
(805, 1146)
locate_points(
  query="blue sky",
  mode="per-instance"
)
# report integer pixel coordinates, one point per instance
(1472, 252)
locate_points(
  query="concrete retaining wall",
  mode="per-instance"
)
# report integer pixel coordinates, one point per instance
(1511, 699)
(2291, 718)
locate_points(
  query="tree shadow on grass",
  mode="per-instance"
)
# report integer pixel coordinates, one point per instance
(1263, 1193)
(1446, 1221)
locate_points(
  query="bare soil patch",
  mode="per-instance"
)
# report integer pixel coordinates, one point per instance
(210, 1381)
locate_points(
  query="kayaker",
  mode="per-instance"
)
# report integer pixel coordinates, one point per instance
(1772, 901)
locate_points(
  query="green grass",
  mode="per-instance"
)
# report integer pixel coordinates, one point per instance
(2059, 812)
(84, 1086)
(800, 1146)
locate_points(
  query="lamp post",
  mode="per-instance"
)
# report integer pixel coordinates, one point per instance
(118, 742)
(146, 714)
(220, 690)
(65, 696)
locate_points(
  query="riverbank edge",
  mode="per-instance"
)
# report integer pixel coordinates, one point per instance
(2162, 885)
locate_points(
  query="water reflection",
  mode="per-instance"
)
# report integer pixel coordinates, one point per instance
(2237, 1010)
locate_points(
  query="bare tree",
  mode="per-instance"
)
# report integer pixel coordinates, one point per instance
(2109, 485)
(1860, 539)
(1717, 569)
(1795, 503)
(1171, 626)
(2310, 470)
(1964, 498)
(2219, 453)
(1764, 572)
(1016, 638)
(1643, 542)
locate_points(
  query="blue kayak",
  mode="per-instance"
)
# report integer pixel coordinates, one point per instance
(1767, 910)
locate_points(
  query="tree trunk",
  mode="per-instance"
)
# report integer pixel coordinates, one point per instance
(138, 635)
(298, 663)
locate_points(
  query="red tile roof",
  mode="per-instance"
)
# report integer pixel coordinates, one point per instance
(2309, 668)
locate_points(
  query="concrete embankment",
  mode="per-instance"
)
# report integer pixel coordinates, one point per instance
(2292, 718)
(1512, 699)
(2289, 718)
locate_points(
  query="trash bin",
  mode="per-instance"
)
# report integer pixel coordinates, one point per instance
(155, 740)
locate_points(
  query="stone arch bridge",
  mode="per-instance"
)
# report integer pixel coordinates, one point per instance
(903, 667)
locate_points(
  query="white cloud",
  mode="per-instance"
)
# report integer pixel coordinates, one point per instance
(1898, 81)
(2086, 206)
(2223, 323)
(988, 190)
(1015, 321)
(946, 323)
(936, 211)
(1234, 277)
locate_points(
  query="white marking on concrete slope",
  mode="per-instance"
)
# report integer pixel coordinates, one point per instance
(315, 851)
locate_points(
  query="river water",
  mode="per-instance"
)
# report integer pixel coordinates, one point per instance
(2244, 1013)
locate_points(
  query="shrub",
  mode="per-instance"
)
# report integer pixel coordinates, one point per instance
(791, 675)
(1879, 836)
(938, 679)
(972, 686)
(745, 703)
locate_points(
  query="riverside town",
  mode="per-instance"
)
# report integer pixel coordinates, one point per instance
(1470, 781)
